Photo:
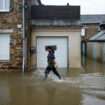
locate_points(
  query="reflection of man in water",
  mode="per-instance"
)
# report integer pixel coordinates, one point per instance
(51, 63)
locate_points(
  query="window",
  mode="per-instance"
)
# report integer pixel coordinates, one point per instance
(4, 47)
(83, 32)
(4, 5)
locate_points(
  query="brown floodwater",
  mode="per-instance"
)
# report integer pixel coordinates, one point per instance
(85, 86)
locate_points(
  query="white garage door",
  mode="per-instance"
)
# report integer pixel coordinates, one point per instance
(60, 54)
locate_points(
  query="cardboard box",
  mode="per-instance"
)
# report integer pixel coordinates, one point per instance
(54, 47)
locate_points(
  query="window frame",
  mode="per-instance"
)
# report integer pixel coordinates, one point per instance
(9, 56)
(4, 7)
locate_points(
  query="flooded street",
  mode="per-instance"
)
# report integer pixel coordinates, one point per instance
(85, 86)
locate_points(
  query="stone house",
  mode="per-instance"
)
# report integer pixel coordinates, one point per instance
(91, 24)
(14, 34)
(11, 35)
(20, 34)
(96, 45)
(90, 27)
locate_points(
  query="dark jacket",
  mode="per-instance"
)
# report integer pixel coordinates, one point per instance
(51, 58)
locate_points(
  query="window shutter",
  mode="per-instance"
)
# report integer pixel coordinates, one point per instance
(4, 47)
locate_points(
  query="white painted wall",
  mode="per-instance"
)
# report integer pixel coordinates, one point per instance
(74, 43)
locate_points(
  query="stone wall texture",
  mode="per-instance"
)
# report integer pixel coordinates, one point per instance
(91, 30)
(10, 20)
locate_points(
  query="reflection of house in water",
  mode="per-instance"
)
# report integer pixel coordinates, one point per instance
(4, 92)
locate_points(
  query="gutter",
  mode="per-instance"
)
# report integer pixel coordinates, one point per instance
(93, 41)
(23, 36)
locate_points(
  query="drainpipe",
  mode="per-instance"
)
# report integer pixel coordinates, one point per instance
(23, 15)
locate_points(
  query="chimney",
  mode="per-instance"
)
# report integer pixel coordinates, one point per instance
(68, 4)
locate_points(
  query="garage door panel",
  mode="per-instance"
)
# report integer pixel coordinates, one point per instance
(60, 54)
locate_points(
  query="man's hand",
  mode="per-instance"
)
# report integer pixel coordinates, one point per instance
(55, 64)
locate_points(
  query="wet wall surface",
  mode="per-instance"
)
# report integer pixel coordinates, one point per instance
(85, 86)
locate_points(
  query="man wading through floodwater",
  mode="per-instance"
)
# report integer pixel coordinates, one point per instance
(51, 63)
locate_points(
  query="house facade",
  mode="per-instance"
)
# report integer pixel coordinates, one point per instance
(22, 36)
(90, 27)
(96, 45)
(56, 25)
(91, 24)
(10, 35)
(14, 34)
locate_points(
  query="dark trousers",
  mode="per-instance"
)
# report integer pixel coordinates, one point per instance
(53, 69)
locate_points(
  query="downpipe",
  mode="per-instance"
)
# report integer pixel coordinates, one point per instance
(23, 36)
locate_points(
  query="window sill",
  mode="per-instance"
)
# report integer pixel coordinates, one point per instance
(4, 61)
(5, 10)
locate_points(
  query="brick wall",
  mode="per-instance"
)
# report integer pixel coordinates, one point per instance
(10, 20)
(90, 30)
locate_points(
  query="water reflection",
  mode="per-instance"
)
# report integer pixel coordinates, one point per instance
(85, 86)
(92, 66)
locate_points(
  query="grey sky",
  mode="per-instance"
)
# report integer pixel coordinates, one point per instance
(87, 6)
